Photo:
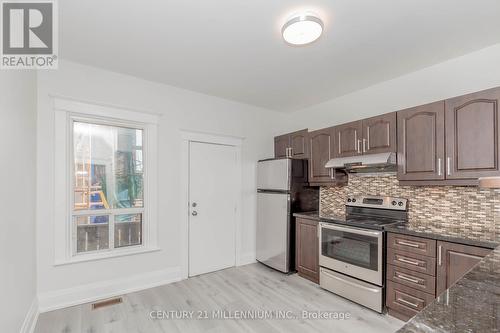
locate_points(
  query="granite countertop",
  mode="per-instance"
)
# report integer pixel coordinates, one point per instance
(439, 231)
(471, 305)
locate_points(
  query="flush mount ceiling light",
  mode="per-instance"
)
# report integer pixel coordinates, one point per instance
(302, 29)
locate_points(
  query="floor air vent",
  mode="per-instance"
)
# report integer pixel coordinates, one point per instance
(107, 302)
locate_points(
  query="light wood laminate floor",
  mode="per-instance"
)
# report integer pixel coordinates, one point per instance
(249, 290)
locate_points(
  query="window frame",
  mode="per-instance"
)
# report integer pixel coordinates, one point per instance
(67, 112)
(111, 212)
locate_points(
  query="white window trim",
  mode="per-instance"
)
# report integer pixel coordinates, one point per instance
(65, 112)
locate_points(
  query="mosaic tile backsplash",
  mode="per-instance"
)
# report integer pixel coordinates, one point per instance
(450, 207)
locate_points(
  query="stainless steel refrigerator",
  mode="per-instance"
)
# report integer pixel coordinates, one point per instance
(282, 190)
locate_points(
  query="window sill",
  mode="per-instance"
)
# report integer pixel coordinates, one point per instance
(105, 255)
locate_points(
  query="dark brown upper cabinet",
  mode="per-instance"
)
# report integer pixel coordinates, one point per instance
(281, 146)
(293, 145)
(348, 139)
(451, 142)
(472, 124)
(367, 136)
(379, 134)
(454, 261)
(298, 144)
(421, 142)
(320, 148)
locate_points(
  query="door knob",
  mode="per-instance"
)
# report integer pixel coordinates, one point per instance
(194, 213)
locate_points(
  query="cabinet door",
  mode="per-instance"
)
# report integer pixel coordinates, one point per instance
(320, 146)
(454, 260)
(421, 142)
(348, 139)
(281, 145)
(379, 134)
(298, 144)
(307, 251)
(472, 123)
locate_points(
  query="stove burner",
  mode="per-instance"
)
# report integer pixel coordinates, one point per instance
(375, 212)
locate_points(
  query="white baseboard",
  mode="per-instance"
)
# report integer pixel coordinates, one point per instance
(246, 258)
(31, 318)
(58, 299)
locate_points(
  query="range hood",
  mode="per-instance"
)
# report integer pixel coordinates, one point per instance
(370, 163)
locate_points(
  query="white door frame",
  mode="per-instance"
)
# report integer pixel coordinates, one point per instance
(187, 137)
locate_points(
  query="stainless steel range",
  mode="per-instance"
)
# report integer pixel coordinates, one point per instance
(352, 251)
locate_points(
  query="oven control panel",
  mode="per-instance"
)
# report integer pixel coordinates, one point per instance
(377, 202)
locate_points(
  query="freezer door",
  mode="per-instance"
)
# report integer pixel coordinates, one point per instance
(273, 228)
(274, 174)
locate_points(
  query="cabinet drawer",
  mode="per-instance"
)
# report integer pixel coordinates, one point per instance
(357, 291)
(426, 247)
(420, 281)
(406, 300)
(411, 261)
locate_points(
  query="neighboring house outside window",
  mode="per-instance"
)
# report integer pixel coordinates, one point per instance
(110, 157)
(108, 204)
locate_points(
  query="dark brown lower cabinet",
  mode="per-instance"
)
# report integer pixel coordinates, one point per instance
(420, 281)
(405, 302)
(454, 260)
(419, 269)
(307, 248)
(410, 273)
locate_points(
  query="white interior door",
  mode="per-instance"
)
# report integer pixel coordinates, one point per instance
(213, 173)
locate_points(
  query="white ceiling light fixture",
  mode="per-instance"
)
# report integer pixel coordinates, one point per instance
(302, 29)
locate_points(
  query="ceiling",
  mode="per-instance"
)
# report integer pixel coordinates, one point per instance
(233, 48)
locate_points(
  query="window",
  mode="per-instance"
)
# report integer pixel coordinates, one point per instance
(108, 186)
(105, 182)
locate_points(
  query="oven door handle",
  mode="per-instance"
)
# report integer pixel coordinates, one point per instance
(351, 230)
(373, 290)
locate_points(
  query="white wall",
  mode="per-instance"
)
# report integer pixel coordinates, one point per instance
(469, 73)
(17, 197)
(181, 110)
